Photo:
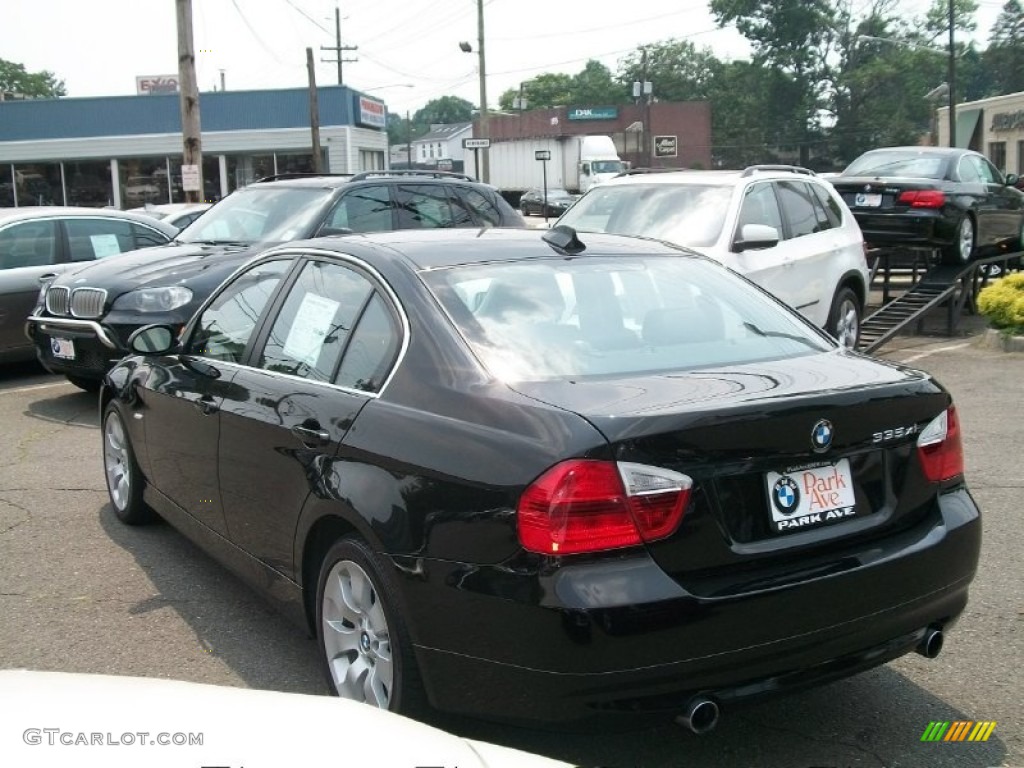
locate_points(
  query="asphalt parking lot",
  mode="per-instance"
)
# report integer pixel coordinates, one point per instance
(79, 592)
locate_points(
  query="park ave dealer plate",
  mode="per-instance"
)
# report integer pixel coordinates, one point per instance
(810, 495)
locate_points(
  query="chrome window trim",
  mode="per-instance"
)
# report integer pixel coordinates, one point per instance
(379, 283)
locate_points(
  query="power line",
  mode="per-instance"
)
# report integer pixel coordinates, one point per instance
(259, 39)
(308, 18)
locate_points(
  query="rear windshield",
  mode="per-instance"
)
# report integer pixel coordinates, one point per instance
(683, 214)
(916, 165)
(615, 316)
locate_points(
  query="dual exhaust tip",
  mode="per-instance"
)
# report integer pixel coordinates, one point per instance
(701, 713)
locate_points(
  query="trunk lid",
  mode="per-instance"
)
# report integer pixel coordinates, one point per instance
(870, 194)
(740, 432)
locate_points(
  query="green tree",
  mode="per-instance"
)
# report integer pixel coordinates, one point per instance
(594, 86)
(14, 78)
(793, 38)
(1004, 58)
(446, 109)
(551, 89)
(677, 70)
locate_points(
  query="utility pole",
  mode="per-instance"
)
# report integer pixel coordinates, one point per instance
(485, 175)
(314, 112)
(338, 48)
(192, 145)
(952, 78)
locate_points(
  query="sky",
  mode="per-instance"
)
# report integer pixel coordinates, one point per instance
(408, 50)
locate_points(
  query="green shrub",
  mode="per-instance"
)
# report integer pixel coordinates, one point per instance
(1002, 303)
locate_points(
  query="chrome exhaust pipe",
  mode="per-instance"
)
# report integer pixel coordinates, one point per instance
(700, 716)
(931, 643)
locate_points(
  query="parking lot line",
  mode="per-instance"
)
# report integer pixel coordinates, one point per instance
(935, 351)
(34, 387)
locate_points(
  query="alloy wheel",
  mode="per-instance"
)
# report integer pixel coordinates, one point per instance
(966, 239)
(356, 638)
(847, 328)
(117, 461)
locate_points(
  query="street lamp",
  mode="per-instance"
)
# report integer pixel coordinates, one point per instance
(466, 47)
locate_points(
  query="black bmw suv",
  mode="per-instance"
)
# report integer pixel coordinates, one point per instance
(82, 320)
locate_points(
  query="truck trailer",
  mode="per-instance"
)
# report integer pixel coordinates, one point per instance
(576, 164)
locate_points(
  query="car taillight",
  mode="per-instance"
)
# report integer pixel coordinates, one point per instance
(940, 449)
(584, 505)
(923, 198)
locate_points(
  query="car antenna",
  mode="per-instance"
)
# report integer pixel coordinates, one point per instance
(564, 239)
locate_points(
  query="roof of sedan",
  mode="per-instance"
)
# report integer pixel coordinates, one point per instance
(43, 211)
(434, 248)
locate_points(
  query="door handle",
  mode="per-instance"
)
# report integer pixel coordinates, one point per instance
(47, 277)
(311, 437)
(207, 405)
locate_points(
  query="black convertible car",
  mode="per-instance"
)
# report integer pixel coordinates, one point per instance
(934, 197)
(537, 478)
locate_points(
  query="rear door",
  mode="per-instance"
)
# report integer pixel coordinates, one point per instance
(318, 361)
(30, 254)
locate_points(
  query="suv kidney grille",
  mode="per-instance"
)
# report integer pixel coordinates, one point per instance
(57, 300)
(88, 302)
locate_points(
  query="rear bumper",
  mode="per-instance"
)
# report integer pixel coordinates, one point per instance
(554, 647)
(921, 228)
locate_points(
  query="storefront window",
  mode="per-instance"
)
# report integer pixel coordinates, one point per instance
(89, 183)
(38, 184)
(143, 181)
(211, 179)
(370, 160)
(997, 154)
(298, 162)
(245, 169)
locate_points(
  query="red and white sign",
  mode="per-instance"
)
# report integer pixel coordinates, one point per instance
(372, 112)
(156, 83)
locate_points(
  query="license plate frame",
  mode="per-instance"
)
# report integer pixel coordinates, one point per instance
(867, 200)
(61, 348)
(810, 496)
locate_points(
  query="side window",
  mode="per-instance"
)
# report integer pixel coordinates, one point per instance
(829, 205)
(968, 171)
(363, 209)
(28, 244)
(225, 327)
(90, 239)
(462, 216)
(423, 206)
(481, 206)
(146, 237)
(987, 171)
(314, 324)
(797, 208)
(372, 349)
(760, 207)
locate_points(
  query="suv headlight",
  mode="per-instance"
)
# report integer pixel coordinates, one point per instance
(154, 299)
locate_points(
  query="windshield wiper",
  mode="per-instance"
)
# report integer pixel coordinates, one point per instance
(214, 242)
(779, 335)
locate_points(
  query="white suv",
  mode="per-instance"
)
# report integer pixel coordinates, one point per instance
(783, 227)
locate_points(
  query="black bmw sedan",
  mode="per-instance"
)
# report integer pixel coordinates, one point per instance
(539, 478)
(949, 199)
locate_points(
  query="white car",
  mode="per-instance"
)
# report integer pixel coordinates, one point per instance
(178, 215)
(783, 227)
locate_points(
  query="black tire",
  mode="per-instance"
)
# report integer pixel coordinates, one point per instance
(525, 210)
(349, 561)
(964, 245)
(124, 479)
(89, 385)
(844, 317)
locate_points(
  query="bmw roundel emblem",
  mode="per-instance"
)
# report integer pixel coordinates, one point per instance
(821, 435)
(54, 345)
(786, 495)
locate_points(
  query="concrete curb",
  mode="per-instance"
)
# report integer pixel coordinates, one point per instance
(993, 338)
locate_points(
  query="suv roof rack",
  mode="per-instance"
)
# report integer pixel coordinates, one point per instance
(296, 175)
(752, 169)
(383, 174)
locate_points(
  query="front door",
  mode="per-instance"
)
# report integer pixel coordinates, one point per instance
(29, 256)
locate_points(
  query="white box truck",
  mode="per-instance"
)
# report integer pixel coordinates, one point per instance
(577, 163)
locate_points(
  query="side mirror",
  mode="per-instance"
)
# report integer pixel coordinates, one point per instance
(153, 340)
(585, 169)
(754, 236)
(1011, 179)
